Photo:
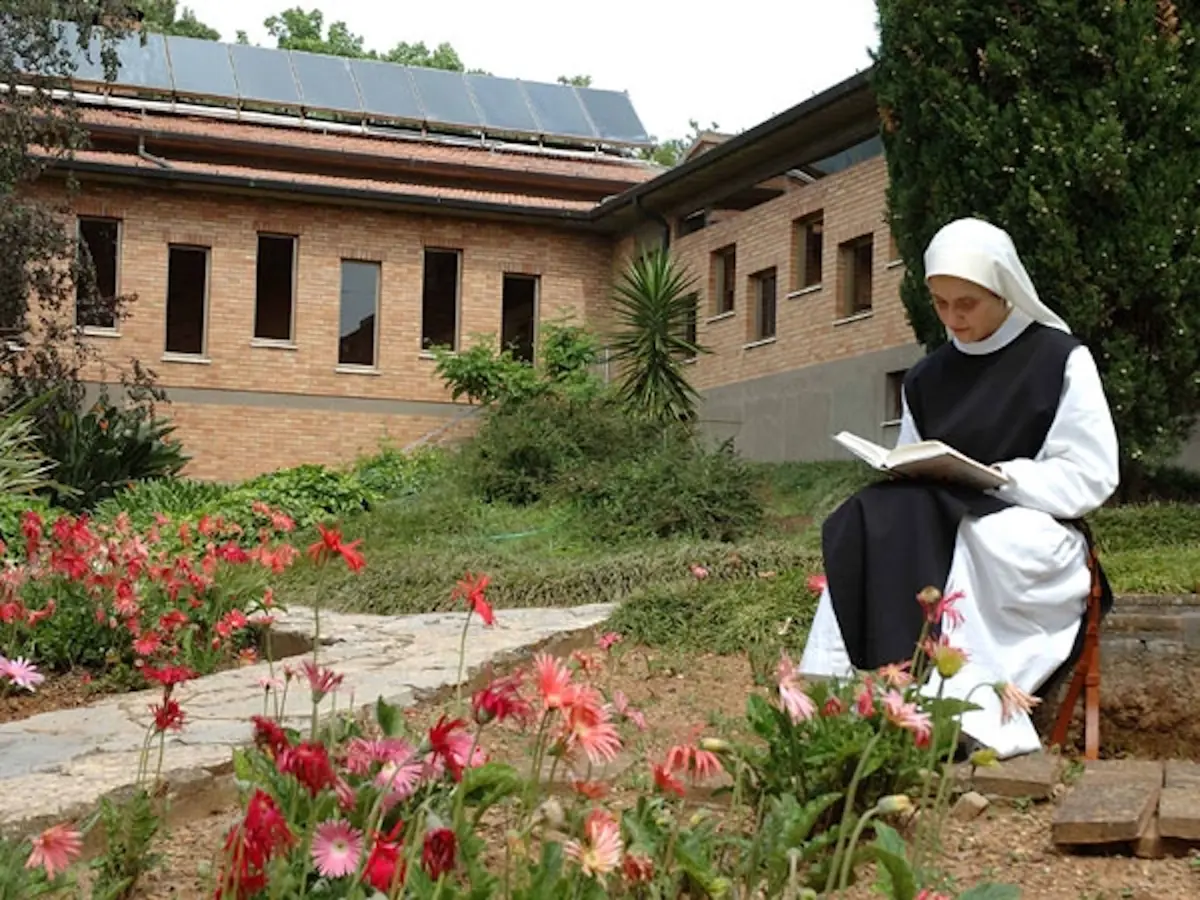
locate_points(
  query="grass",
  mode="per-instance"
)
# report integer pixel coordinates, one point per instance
(754, 599)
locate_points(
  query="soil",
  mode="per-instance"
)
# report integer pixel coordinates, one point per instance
(683, 695)
(56, 692)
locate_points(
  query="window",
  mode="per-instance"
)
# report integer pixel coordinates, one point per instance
(807, 247)
(439, 304)
(691, 324)
(359, 319)
(857, 261)
(518, 317)
(894, 400)
(764, 305)
(275, 292)
(691, 223)
(724, 267)
(99, 240)
(187, 299)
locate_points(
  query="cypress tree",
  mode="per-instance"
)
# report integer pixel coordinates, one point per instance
(1075, 126)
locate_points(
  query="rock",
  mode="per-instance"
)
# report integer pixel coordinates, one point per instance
(1179, 813)
(970, 806)
(1104, 807)
(1033, 776)
(1180, 773)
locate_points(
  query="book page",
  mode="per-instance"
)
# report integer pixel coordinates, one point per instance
(952, 467)
(865, 450)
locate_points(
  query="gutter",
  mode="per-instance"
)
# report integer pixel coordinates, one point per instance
(361, 195)
(150, 157)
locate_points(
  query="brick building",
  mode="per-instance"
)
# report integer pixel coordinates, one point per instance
(292, 265)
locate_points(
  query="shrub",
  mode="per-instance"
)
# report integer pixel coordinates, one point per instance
(106, 448)
(676, 487)
(178, 499)
(394, 473)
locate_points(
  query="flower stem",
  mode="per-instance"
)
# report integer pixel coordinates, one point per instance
(848, 810)
(462, 659)
(848, 861)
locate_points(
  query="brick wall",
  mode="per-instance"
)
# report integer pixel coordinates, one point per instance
(232, 441)
(810, 328)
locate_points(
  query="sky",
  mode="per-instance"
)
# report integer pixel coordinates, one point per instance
(736, 67)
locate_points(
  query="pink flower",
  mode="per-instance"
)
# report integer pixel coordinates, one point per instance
(600, 851)
(321, 681)
(54, 849)
(621, 705)
(336, 849)
(798, 704)
(697, 763)
(553, 681)
(267, 683)
(606, 641)
(939, 609)
(1013, 700)
(817, 583)
(907, 716)
(896, 674)
(21, 672)
(865, 703)
(699, 572)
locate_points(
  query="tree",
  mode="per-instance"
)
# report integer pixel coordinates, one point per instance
(1076, 127)
(654, 306)
(670, 152)
(576, 80)
(160, 16)
(295, 29)
(44, 276)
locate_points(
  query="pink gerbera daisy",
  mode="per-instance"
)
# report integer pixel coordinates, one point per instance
(336, 849)
(21, 672)
(600, 851)
(54, 849)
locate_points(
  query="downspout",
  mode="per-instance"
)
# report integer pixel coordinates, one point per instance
(150, 157)
(657, 217)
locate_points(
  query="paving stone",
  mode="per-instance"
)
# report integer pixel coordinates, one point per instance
(1150, 844)
(1033, 775)
(1105, 812)
(1110, 771)
(1179, 812)
(59, 765)
(1181, 773)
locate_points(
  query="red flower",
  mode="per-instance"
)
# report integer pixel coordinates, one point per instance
(269, 736)
(232, 622)
(437, 856)
(168, 676)
(171, 621)
(147, 643)
(321, 681)
(309, 763)
(593, 790)
(666, 782)
(384, 870)
(167, 716)
(833, 707)
(251, 844)
(817, 583)
(446, 745)
(501, 700)
(473, 591)
(331, 545)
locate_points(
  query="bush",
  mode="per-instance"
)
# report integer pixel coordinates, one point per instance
(394, 473)
(178, 499)
(106, 448)
(676, 487)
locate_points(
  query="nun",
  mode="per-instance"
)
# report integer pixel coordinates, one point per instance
(1012, 388)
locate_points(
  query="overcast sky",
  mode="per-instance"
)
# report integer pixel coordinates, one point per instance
(742, 64)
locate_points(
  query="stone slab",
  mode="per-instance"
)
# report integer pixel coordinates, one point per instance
(1034, 775)
(59, 765)
(1179, 813)
(1181, 773)
(1122, 771)
(1105, 812)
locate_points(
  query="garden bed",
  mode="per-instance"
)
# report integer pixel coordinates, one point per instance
(680, 693)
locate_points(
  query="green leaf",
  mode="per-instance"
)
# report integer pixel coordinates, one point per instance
(388, 717)
(895, 876)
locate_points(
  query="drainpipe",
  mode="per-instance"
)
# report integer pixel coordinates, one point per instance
(657, 217)
(150, 157)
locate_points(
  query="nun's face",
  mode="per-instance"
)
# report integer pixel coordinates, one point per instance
(970, 311)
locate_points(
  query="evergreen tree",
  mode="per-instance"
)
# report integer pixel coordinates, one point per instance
(1074, 125)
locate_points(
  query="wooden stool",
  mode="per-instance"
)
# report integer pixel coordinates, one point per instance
(1086, 679)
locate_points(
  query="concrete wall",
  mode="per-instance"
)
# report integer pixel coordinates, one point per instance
(792, 415)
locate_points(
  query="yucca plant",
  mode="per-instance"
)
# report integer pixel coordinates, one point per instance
(24, 468)
(655, 306)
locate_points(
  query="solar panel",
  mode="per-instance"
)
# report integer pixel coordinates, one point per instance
(614, 116)
(386, 90)
(559, 111)
(502, 103)
(444, 97)
(264, 76)
(201, 67)
(144, 66)
(326, 82)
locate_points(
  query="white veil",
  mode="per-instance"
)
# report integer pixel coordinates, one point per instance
(984, 254)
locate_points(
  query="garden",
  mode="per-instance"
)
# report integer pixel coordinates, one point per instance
(678, 755)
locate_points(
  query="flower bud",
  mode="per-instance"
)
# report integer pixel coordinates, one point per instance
(984, 758)
(929, 596)
(893, 803)
(715, 745)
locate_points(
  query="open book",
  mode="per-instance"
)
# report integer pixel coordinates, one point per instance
(926, 459)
